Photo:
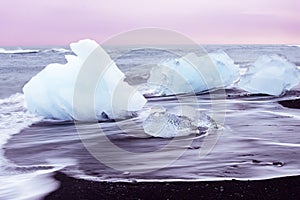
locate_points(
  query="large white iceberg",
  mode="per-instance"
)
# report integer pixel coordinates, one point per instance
(193, 74)
(270, 74)
(66, 91)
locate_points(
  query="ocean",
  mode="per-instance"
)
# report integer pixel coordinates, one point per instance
(258, 140)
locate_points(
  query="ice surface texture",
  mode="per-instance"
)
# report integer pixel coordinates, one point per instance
(51, 92)
(194, 74)
(185, 121)
(270, 74)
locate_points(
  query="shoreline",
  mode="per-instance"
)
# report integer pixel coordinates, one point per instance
(277, 188)
(293, 103)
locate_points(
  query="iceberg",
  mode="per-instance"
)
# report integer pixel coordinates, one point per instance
(270, 74)
(193, 74)
(66, 91)
(227, 69)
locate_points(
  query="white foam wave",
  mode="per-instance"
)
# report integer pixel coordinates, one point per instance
(294, 45)
(16, 184)
(13, 118)
(18, 51)
(32, 184)
(284, 144)
(27, 186)
(163, 180)
(58, 50)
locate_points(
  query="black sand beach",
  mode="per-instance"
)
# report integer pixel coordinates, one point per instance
(278, 188)
(295, 103)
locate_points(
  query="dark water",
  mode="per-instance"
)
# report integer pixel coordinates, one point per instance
(259, 138)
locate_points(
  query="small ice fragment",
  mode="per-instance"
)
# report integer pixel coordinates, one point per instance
(161, 123)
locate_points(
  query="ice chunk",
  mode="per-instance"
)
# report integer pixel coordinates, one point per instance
(166, 124)
(227, 69)
(270, 74)
(193, 74)
(52, 93)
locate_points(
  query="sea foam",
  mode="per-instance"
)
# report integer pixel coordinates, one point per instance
(18, 51)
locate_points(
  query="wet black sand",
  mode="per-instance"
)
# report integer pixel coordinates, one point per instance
(278, 188)
(295, 103)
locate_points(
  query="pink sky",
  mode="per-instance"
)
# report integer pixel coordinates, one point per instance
(59, 22)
